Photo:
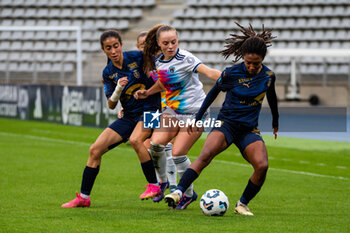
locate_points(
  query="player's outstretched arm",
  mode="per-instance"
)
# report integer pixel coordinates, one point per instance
(209, 99)
(272, 100)
(143, 94)
(209, 72)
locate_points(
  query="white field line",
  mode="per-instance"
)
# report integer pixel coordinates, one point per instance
(283, 170)
(130, 149)
(45, 139)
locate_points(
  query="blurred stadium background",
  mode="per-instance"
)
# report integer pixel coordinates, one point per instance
(48, 54)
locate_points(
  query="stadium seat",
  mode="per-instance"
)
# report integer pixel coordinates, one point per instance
(3, 56)
(204, 24)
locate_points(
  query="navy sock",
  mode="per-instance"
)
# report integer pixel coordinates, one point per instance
(187, 179)
(249, 193)
(149, 172)
(89, 176)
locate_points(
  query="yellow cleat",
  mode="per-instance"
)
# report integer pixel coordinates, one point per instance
(243, 209)
(172, 199)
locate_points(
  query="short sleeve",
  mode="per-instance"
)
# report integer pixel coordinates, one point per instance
(191, 62)
(108, 84)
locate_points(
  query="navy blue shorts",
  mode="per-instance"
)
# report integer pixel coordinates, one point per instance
(124, 126)
(239, 135)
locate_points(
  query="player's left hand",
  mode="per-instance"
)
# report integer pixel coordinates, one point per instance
(275, 130)
(141, 94)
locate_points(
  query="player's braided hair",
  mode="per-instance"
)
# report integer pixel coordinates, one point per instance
(249, 42)
(152, 48)
(107, 34)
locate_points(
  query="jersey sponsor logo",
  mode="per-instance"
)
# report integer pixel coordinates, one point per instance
(129, 93)
(151, 120)
(113, 76)
(133, 65)
(243, 80)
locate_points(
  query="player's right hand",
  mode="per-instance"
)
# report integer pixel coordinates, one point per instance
(141, 94)
(192, 129)
(123, 81)
(189, 129)
(121, 113)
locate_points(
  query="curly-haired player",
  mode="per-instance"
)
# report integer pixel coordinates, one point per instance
(245, 85)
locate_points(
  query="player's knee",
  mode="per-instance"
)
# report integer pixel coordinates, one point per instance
(95, 152)
(262, 167)
(134, 141)
(176, 153)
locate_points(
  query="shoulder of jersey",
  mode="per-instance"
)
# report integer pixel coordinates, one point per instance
(134, 54)
(181, 54)
(232, 71)
(107, 70)
(268, 71)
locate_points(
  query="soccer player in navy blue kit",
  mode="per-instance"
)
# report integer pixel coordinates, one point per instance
(245, 85)
(122, 76)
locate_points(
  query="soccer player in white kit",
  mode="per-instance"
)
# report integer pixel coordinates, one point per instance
(175, 71)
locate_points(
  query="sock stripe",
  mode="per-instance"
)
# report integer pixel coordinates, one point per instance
(157, 147)
(168, 147)
(178, 160)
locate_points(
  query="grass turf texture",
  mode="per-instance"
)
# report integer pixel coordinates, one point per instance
(42, 165)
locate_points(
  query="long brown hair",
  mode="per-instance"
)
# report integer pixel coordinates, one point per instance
(151, 45)
(249, 42)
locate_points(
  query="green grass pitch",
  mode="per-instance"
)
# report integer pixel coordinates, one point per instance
(307, 188)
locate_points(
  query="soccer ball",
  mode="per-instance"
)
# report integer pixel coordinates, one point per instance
(214, 203)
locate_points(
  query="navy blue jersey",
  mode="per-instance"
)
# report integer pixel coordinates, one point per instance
(132, 68)
(245, 94)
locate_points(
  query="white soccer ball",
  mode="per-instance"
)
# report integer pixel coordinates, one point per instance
(214, 203)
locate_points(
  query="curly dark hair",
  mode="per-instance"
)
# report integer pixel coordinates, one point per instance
(249, 42)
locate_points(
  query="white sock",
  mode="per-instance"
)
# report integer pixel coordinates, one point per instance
(182, 163)
(170, 168)
(240, 203)
(159, 160)
(178, 192)
(84, 196)
(150, 153)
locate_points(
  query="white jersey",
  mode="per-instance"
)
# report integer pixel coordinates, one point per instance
(184, 91)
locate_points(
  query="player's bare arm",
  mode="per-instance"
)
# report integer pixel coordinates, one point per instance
(212, 74)
(143, 94)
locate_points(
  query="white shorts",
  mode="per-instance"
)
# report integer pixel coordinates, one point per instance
(184, 117)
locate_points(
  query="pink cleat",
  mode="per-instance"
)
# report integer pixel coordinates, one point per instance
(151, 191)
(78, 202)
